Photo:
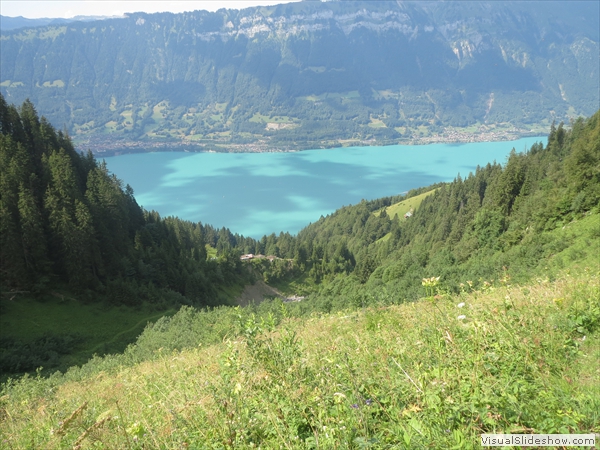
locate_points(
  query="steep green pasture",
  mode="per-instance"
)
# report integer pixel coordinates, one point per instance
(260, 118)
(59, 331)
(436, 373)
(404, 206)
(577, 244)
(401, 208)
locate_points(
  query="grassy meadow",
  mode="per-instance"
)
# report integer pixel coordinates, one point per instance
(410, 204)
(58, 330)
(399, 209)
(435, 373)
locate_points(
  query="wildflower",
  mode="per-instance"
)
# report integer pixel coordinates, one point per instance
(338, 397)
(433, 281)
(354, 406)
(460, 305)
(461, 317)
(369, 402)
(429, 284)
(411, 409)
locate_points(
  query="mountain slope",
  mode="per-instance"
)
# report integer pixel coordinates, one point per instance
(502, 335)
(67, 220)
(309, 74)
(12, 23)
(438, 372)
(73, 237)
(499, 221)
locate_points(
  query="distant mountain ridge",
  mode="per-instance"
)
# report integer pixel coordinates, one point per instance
(309, 74)
(13, 23)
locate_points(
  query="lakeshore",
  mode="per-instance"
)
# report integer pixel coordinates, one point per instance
(112, 145)
(256, 194)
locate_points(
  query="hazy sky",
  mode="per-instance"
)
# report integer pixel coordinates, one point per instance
(34, 9)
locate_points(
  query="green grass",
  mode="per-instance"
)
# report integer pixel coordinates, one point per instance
(301, 285)
(376, 123)
(405, 206)
(230, 293)
(387, 94)
(158, 113)
(581, 241)
(431, 374)
(127, 114)
(342, 95)
(260, 118)
(402, 208)
(55, 83)
(111, 126)
(96, 327)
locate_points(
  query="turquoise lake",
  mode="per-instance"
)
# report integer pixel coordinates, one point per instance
(256, 194)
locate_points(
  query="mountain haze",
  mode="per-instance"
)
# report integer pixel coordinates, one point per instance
(309, 74)
(12, 23)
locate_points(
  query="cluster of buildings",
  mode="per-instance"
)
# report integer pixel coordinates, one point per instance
(250, 256)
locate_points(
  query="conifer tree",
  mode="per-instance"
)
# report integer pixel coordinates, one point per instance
(33, 236)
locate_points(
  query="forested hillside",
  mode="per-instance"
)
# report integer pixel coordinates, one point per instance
(66, 219)
(309, 74)
(499, 333)
(494, 223)
(68, 224)
(76, 246)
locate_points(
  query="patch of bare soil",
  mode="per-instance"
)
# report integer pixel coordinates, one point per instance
(256, 293)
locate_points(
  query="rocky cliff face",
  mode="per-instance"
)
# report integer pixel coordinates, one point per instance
(376, 69)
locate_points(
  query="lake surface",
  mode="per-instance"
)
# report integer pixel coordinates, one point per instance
(256, 194)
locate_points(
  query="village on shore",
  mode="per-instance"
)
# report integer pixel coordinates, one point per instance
(107, 145)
